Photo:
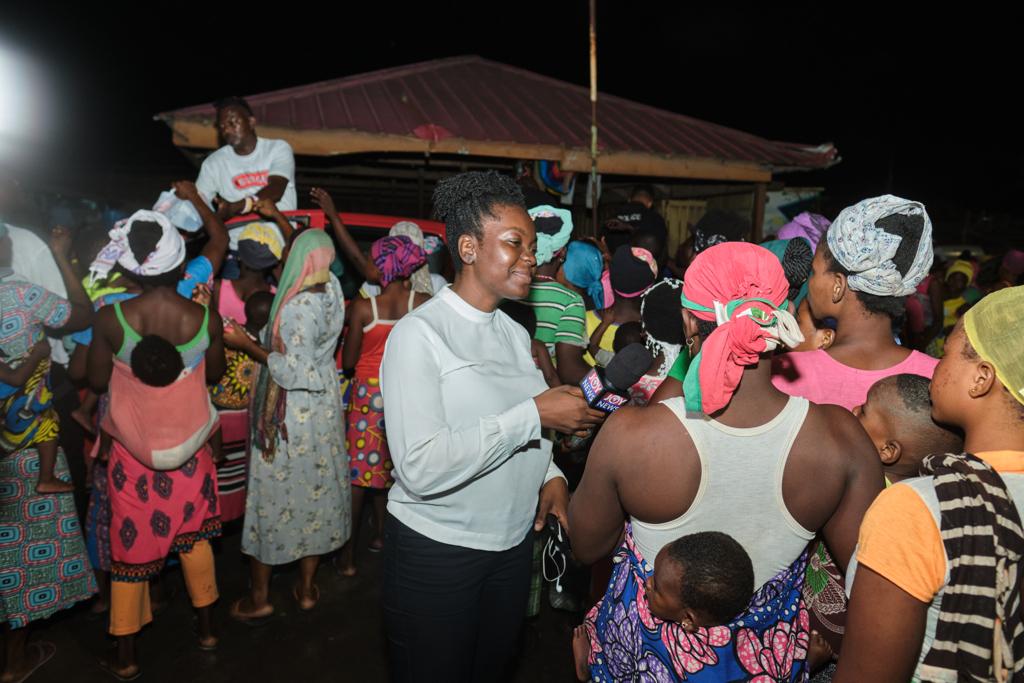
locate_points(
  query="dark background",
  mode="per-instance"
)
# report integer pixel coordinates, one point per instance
(919, 104)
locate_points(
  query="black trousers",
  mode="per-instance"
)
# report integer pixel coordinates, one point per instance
(452, 614)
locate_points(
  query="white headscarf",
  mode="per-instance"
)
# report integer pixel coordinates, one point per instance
(167, 255)
(867, 251)
(420, 280)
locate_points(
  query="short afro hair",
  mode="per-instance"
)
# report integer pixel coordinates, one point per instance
(156, 362)
(462, 202)
(909, 229)
(718, 576)
(232, 101)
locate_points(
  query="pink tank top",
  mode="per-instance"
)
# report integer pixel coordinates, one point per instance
(229, 304)
(819, 378)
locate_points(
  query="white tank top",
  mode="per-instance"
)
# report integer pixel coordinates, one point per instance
(740, 490)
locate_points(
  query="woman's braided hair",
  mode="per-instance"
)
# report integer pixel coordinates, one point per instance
(796, 265)
(463, 200)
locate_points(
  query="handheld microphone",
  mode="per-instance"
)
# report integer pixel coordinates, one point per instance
(607, 389)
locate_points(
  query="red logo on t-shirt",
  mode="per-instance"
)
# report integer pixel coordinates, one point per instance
(243, 181)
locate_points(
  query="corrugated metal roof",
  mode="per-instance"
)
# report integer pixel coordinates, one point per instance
(479, 100)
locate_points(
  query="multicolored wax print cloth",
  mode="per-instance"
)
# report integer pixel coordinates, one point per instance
(155, 513)
(365, 439)
(768, 643)
(44, 567)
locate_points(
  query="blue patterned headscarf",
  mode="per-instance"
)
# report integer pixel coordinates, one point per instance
(583, 268)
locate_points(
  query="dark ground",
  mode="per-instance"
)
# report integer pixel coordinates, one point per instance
(341, 640)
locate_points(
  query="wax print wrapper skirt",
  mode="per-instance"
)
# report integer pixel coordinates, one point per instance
(154, 513)
(767, 643)
(44, 567)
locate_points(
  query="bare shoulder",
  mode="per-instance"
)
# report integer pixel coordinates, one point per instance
(647, 435)
(835, 431)
(360, 310)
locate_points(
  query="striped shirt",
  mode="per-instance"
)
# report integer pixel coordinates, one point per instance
(560, 314)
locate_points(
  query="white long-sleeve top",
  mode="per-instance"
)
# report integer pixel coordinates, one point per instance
(462, 426)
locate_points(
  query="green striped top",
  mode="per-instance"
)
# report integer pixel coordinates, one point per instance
(560, 314)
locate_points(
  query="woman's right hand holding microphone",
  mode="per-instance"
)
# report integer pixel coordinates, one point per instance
(564, 410)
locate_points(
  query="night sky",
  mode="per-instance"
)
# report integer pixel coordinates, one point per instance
(921, 105)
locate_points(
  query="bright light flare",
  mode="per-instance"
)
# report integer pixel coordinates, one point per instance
(22, 102)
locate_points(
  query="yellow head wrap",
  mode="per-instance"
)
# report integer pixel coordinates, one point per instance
(963, 267)
(995, 327)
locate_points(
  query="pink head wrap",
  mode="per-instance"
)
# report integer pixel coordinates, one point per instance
(740, 286)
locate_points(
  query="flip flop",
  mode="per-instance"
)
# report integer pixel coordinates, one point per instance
(109, 668)
(46, 652)
(249, 621)
(298, 600)
(374, 547)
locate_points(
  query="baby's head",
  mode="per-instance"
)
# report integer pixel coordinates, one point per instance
(817, 334)
(257, 310)
(897, 415)
(701, 580)
(156, 362)
(628, 333)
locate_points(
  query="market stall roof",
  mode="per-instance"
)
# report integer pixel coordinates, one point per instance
(473, 106)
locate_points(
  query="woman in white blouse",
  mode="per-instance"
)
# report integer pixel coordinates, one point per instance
(465, 406)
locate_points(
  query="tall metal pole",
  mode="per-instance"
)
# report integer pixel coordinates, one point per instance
(593, 115)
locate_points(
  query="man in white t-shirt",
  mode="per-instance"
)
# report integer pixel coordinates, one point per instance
(246, 168)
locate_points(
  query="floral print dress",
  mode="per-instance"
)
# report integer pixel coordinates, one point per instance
(299, 504)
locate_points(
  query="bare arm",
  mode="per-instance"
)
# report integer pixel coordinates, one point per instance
(595, 512)
(348, 245)
(81, 307)
(268, 209)
(217, 246)
(216, 363)
(353, 344)
(543, 360)
(571, 366)
(864, 481)
(884, 631)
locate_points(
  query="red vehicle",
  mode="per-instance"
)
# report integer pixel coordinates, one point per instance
(364, 227)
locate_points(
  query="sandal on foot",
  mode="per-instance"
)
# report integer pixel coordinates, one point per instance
(258, 620)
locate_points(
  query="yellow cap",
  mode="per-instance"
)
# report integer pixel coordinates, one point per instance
(995, 328)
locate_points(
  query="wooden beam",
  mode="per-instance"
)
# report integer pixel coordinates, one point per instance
(197, 133)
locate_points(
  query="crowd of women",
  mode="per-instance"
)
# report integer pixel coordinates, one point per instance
(234, 382)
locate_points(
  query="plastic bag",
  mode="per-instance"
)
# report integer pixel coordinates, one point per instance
(179, 212)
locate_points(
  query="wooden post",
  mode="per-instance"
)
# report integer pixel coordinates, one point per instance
(757, 215)
(593, 115)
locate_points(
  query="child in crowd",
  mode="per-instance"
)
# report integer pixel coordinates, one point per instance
(525, 315)
(898, 417)
(818, 334)
(232, 392)
(699, 581)
(14, 374)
